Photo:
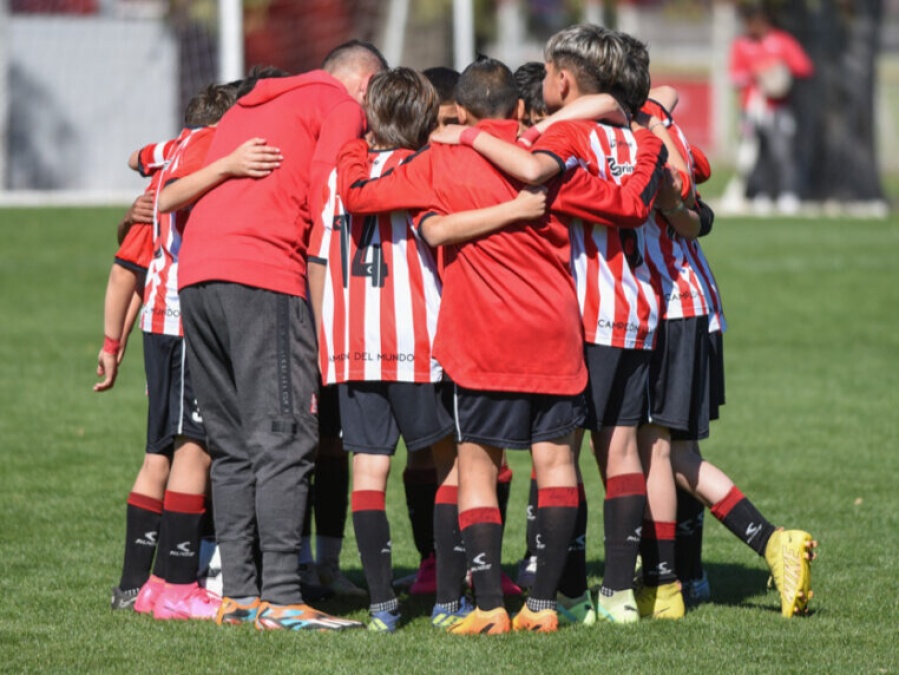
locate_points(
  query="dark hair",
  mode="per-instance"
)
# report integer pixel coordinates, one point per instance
(208, 106)
(344, 54)
(245, 86)
(401, 106)
(444, 80)
(487, 89)
(633, 82)
(529, 79)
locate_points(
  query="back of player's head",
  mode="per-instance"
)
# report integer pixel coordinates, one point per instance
(208, 106)
(401, 106)
(444, 80)
(529, 79)
(245, 86)
(354, 55)
(592, 54)
(487, 90)
(633, 82)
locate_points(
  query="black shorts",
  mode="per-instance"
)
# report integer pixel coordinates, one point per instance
(375, 414)
(716, 373)
(678, 379)
(328, 412)
(616, 392)
(173, 409)
(514, 420)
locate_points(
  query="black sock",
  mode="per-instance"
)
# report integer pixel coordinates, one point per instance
(142, 518)
(503, 489)
(482, 533)
(623, 517)
(531, 531)
(556, 516)
(182, 521)
(373, 538)
(657, 549)
(332, 475)
(574, 578)
(421, 486)
(451, 561)
(739, 516)
(688, 538)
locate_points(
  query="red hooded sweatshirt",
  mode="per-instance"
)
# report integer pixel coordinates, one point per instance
(255, 231)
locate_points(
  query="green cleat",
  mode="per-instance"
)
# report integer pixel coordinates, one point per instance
(617, 606)
(579, 610)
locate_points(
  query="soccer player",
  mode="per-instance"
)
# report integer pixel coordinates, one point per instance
(519, 376)
(250, 335)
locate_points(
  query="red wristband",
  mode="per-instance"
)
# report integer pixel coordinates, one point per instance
(530, 136)
(111, 346)
(468, 136)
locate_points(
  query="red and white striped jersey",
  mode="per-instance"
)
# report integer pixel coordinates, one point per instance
(153, 157)
(678, 284)
(162, 306)
(381, 293)
(618, 303)
(710, 291)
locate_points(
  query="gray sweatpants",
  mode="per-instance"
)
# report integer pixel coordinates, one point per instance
(253, 361)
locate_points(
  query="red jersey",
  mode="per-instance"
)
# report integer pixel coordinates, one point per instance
(677, 283)
(509, 317)
(618, 303)
(162, 306)
(381, 293)
(136, 250)
(151, 158)
(255, 232)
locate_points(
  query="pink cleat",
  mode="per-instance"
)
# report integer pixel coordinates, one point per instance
(509, 586)
(149, 594)
(186, 601)
(426, 580)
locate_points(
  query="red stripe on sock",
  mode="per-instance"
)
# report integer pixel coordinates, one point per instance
(447, 494)
(505, 474)
(625, 485)
(144, 502)
(181, 502)
(368, 500)
(722, 508)
(581, 493)
(420, 476)
(564, 497)
(482, 515)
(659, 530)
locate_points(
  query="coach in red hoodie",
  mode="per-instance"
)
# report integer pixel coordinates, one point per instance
(250, 335)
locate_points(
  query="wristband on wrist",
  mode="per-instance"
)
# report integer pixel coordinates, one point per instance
(468, 136)
(111, 346)
(530, 136)
(653, 126)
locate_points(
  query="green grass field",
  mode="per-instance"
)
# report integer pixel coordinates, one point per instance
(809, 433)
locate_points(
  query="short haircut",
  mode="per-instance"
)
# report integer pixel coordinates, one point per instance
(245, 86)
(444, 80)
(208, 106)
(487, 89)
(634, 81)
(401, 106)
(602, 61)
(352, 53)
(529, 79)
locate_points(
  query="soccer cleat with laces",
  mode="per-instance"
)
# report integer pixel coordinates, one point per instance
(661, 602)
(384, 622)
(334, 579)
(544, 621)
(579, 610)
(617, 606)
(442, 618)
(479, 622)
(527, 571)
(789, 554)
(149, 594)
(124, 599)
(299, 617)
(232, 612)
(186, 601)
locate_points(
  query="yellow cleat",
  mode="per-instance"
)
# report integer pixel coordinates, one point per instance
(789, 554)
(661, 602)
(479, 622)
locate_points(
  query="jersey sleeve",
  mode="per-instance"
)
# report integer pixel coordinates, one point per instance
(407, 186)
(136, 249)
(583, 195)
(151, 158)
(558, 143)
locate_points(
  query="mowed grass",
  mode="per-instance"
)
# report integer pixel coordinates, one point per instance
(809, 433)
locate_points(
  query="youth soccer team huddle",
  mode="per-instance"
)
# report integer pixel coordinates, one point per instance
(481, 263)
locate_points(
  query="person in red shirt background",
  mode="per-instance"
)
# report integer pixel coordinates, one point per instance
(764, 62)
